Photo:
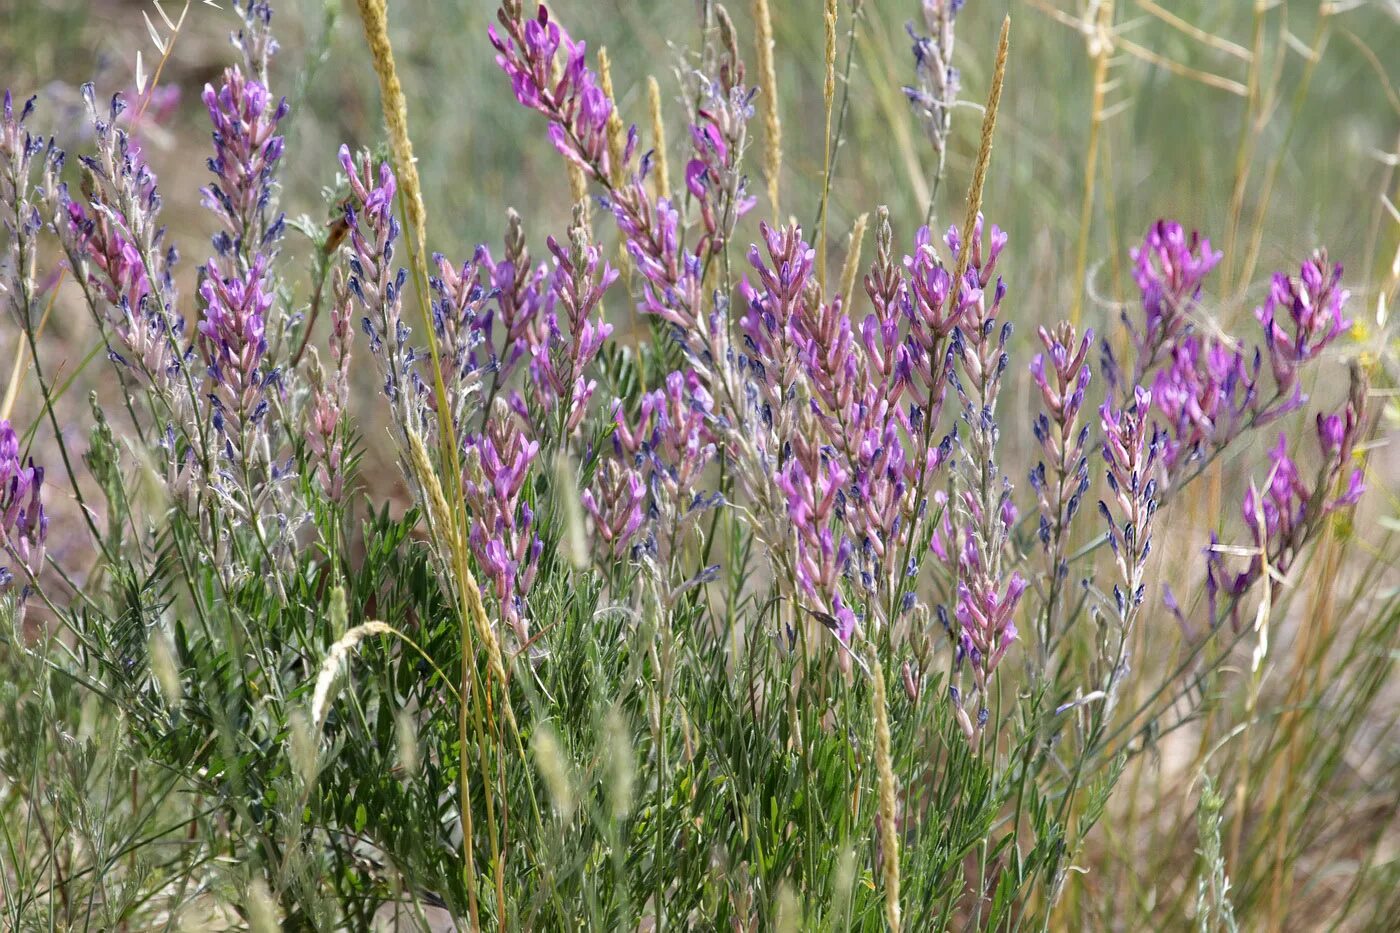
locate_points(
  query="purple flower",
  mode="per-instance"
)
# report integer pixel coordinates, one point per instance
(933, 97)
(986, 626)
(1301, 317)
(1169, 268)
(1057, 430)
(560, 353)
(712, 175)
(378, 283)
(670, 447)
(325, 439)
(811, 482)
(1130, 454)
(617, 506)
(24, 524)
(246, 153)
(502, 536)
(232, 336)
(566, 92)
(113, 240)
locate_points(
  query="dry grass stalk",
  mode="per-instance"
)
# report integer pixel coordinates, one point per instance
(768, 85)
(617, 135)
(884, 766)
(376, 26)
(1102, 46)
(851, 269)
(829, 96)
(334, 665)
(660, 170)
(984, 152)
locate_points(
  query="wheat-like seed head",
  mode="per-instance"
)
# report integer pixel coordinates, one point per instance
(617, 135)
(660, 169)
(768, 84)
(376, 26)
(852, 265)
(984, 153)
(334, 665)
(884, 767)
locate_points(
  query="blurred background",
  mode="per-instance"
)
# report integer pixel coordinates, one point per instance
(1173, 114)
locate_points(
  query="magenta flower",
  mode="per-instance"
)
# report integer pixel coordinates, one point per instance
(325, 440)
(1061, 478)
(1300, 318)
(561, 352)
(986, 623)
(502, 536)
(232, 338)
(1169, 268)
(566, 91)
(24, 524)
(1130, 452)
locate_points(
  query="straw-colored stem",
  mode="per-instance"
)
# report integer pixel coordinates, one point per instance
(829, 96)
(768, 88)
(984, 152)
(851, 269)
(884, 767)
(1244, 151)
(1104, 51)
(617, 135)
(660, 168)
(374, 16)
(1256, 242)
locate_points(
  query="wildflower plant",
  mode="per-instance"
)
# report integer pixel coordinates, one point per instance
(752, 616)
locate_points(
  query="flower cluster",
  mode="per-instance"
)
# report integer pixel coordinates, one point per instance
(668, 449)
(246, 153)
(1130, 451)
(568, 93)
(617, 504)
(987, 596)
(1207, 389)
(1285, 512)
(712, 174)
(378, 284)
(24, 525)
(330, 393)
(561, 353)
(18, 147)
(811, 481)
(1169, 268)
(1300, 318)
(114, 243)
(1062, 440)
(936, 92)
(232, 338)
(458, 306)
(503, 537)
(520, 293)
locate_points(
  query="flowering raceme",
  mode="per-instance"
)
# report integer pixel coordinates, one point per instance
(1286, 511)
(24, 524)
(562, 352)
(232, 336)
(246, 153)
(1208, 388)
(569, 94)
(503, 536)
(1169, 268)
